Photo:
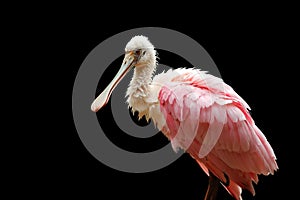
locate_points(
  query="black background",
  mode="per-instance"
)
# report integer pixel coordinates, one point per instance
(252, 53)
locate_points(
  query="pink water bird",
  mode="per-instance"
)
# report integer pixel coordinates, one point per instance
(198, 113)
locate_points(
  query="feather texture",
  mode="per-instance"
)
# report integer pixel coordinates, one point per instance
(209, 120)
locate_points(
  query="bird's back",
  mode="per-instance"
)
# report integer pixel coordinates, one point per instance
(208, 119)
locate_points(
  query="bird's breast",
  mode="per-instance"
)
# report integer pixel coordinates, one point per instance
(148, 105)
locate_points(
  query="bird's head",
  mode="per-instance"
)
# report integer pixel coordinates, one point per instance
(139, 53)
(142, 50)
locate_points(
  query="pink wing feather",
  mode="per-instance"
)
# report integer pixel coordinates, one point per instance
(209, 120)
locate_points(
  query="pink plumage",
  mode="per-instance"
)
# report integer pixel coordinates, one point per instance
(210, 121)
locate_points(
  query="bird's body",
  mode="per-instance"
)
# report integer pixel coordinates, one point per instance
(200, 114)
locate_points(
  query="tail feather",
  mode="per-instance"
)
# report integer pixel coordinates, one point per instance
(233, 189)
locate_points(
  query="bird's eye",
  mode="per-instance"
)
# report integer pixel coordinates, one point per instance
(144, 52)
(138, 52)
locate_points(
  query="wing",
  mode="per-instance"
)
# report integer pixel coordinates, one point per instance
(192, 98)
(210, 121)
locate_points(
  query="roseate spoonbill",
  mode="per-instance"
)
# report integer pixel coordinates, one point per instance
(198, 113)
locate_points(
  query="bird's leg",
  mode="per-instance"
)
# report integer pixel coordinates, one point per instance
(213, 186)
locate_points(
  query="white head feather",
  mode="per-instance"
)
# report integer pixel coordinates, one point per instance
(142, 43)
(139, 42)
